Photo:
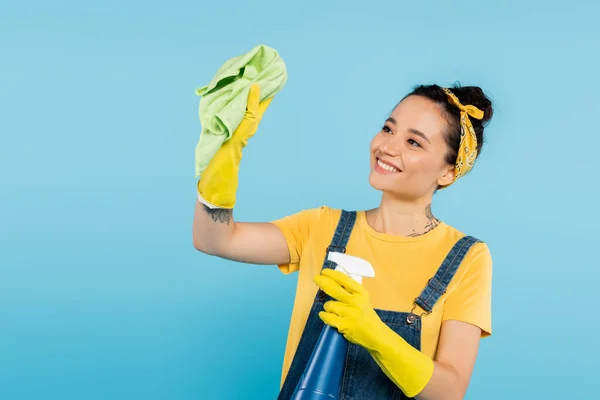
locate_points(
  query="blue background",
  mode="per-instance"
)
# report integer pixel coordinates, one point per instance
(102, 295)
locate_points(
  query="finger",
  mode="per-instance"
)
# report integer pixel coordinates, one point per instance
(337, 308)
(332, 288)
(332, 320)
(343, 280)
(264, 105)
(253, 99)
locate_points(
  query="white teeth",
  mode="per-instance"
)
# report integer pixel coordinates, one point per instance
(387, 167)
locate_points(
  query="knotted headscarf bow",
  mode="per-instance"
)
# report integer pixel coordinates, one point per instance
(467, 152)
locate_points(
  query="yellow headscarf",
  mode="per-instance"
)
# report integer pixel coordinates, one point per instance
(467, 152)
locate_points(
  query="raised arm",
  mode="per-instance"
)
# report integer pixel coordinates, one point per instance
(214, 230)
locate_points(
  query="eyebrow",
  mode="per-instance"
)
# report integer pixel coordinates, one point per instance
(411, 130)
(419, 133)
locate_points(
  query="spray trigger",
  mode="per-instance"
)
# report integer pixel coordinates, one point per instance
(355, 267)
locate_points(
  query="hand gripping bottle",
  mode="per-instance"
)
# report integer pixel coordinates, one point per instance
(323, 374)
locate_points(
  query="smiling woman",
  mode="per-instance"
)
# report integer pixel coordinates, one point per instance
(415, 327)
(427, 124)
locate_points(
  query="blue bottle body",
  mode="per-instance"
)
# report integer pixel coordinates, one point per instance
(323, 374)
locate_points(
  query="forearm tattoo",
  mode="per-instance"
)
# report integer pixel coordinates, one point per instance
(220, 215)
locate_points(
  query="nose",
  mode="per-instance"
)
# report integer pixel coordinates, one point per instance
(391, 147)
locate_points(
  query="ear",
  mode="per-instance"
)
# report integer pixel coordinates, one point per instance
(447, 177)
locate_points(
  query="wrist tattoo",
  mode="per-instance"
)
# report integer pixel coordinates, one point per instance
(219, 214)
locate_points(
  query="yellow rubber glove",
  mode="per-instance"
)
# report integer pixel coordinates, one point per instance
(354, 317)
(218, 183)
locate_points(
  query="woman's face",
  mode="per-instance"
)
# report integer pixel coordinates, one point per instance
(408, 153)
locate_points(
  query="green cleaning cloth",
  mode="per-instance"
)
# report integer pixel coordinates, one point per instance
(223, 103)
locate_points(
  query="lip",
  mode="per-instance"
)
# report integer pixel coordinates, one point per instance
(388, 163)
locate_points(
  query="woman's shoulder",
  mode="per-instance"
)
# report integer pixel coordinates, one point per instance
(322, 214)
(479, 245)
(311, 217)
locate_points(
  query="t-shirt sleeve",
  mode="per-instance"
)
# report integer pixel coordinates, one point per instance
(296, 229)
(471, 301)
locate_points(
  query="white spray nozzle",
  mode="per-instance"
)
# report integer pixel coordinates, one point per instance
(353, 266)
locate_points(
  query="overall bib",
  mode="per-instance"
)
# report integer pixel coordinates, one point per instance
(363, 379)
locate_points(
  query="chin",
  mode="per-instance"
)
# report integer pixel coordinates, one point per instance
(394, 189)
(378, 182)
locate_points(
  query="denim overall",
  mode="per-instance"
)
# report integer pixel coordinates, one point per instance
(363, 378)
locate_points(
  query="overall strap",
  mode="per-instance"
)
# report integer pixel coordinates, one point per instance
(437, 285)
(341, 236)
(314, 325)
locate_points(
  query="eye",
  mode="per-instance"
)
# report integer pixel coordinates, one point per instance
(413, 142)
(386, 129)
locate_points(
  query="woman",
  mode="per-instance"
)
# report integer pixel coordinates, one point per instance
(415, 327)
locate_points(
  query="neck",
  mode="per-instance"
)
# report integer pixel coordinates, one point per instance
(401, 217)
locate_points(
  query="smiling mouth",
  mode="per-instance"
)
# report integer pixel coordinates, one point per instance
(386, 167)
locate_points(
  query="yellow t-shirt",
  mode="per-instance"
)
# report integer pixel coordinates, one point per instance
(403, 265)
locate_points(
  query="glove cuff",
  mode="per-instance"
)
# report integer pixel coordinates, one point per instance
(208, 204)
(406, 366)
(214, 199)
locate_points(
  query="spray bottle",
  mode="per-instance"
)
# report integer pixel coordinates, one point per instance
(323, 373)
